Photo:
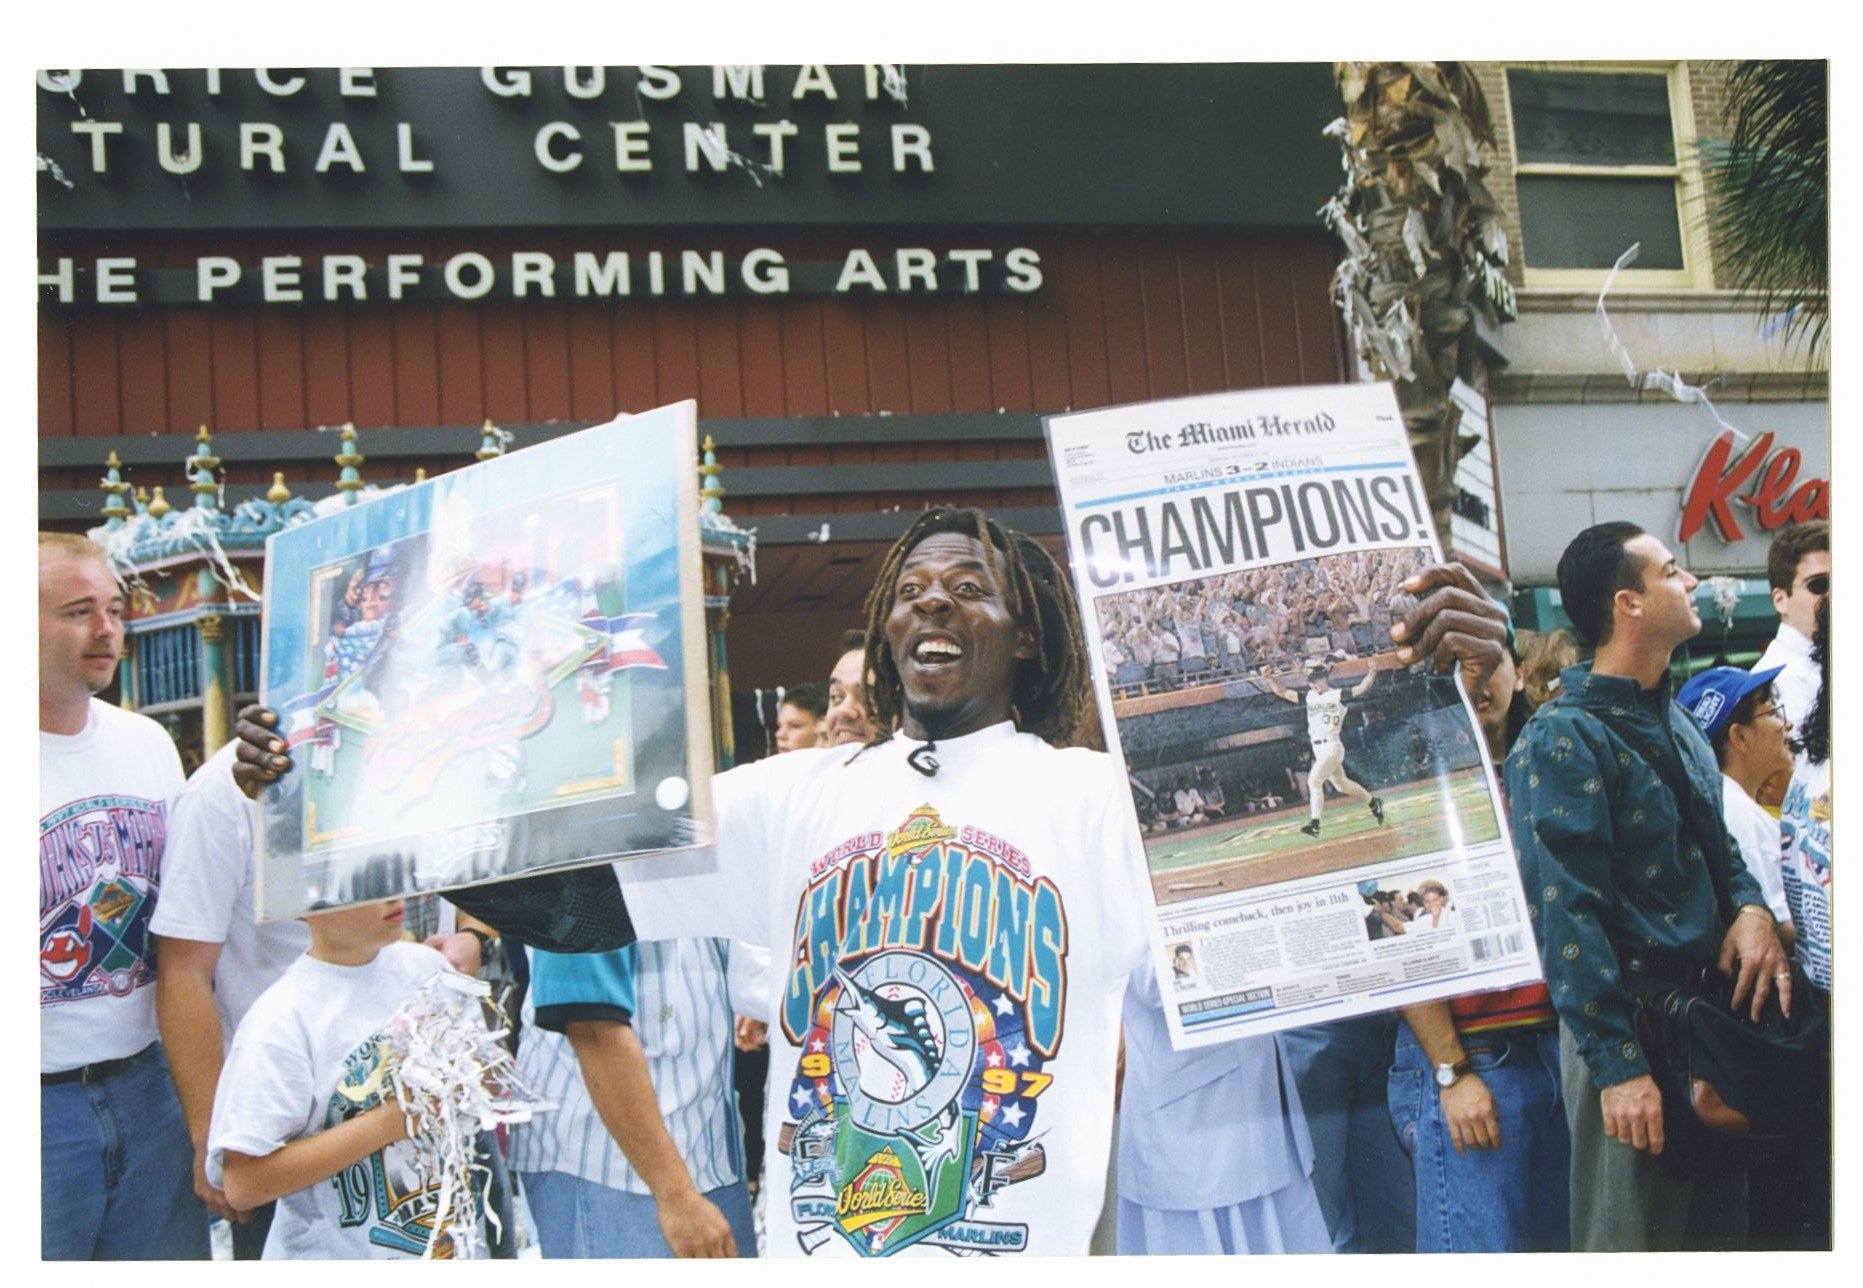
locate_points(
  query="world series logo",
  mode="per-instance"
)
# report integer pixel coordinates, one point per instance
(924, 1044)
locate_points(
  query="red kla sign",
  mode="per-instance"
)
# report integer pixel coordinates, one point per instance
(1776, 496)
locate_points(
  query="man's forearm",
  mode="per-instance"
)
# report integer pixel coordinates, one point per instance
(614, 1070)
(193, 1041)
(1434, 1028)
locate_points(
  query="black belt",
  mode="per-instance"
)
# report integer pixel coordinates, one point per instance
(90, 1073)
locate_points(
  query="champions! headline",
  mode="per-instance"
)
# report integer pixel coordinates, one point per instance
(1185, 535)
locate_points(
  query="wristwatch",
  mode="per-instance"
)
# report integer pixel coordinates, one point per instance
(1446, 1074)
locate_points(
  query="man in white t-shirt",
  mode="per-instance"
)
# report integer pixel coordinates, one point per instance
(1798, 567)
(216, 959)
(956, 908)
(1326, 713)
(113, 1147)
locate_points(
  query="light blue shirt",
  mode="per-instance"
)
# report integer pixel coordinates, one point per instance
(1207, 1128)
(674, 995)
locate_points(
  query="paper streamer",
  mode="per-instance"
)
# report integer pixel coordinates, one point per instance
(1668, 382)
(453, 1081)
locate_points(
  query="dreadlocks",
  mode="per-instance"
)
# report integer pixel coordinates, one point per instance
(1050, 694)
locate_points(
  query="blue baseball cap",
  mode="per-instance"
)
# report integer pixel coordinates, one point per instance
(1712, 696)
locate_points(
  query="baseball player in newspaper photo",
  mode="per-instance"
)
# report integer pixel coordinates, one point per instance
(1326, 713)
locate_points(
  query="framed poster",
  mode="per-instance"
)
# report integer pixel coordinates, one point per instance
(490, 674)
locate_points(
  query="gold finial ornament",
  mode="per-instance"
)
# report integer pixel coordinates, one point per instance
(278, 493)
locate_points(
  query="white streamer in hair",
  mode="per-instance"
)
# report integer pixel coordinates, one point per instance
(453, 1080)
(1668, 381)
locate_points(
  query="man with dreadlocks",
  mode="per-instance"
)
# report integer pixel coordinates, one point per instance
(954, 906)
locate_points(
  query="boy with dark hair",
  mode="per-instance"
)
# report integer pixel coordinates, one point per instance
(1798, 566)
(800, 716)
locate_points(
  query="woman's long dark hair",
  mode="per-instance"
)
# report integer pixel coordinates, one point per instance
(1815, 734)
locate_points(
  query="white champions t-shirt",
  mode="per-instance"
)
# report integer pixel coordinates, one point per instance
(1325, 714)
(208, 890)
(306, 1058)
(103, 813)
(1757, 834)
(949, 955)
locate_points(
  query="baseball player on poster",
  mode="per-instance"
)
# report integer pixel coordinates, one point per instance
(1326, 713)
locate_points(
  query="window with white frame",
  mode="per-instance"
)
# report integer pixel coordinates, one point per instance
(1604, 158)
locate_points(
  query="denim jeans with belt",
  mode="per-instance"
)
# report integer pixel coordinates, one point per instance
(116, 1169)
(1512, 1199)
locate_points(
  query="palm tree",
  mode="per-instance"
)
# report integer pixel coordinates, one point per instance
(1425, 249)
(1770, 217)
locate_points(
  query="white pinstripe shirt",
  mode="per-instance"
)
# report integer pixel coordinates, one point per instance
(682, 1016)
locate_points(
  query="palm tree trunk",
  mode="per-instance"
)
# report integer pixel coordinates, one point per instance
(1425, 250)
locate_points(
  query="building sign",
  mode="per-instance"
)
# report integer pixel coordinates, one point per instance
(1570, 465)
(654, 146)
(1759, 478)
(604, 274)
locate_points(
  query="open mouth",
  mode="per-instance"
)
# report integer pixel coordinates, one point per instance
(936, 651)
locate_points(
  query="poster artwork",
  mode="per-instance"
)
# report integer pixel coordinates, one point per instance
(491, 673)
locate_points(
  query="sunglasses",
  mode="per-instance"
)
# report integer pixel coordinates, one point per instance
(1819, 583)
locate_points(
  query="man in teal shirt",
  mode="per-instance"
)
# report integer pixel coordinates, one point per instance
(1616, 871)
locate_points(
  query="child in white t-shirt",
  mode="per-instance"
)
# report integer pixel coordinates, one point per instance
(304, 1113)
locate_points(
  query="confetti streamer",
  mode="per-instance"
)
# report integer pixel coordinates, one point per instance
(1668, 382)
(453, 1081)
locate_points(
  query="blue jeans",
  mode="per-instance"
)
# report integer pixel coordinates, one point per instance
(1365, 1184)
(1512, 1199)
(116, 1169)
(580, 1219)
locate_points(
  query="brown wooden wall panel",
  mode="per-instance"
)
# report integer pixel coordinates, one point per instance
(501, 353)
(372, 369)
(889, 383)
(1078, 287)
(720, 358)
(546, 361)
(143, 372)
(96, 390)
(460, 367)
(281, 370)
(591, 368)
(928, 356)
(760, 368)
(1119, 318)
(57, 412)
(1161, 297)
(675, 353)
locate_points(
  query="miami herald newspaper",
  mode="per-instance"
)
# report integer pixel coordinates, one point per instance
(1323, 832)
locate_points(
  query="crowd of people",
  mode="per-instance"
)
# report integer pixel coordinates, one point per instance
(195, 1063)
(1244, 623)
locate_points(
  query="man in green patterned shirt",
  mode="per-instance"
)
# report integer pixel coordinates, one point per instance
(1619, 872)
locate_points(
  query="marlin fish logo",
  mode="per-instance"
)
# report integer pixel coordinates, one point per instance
(899, 1036)
(903, 1055)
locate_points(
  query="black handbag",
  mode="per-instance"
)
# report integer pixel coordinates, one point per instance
(1734, 1091)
